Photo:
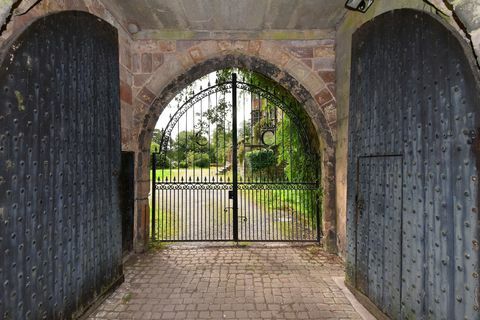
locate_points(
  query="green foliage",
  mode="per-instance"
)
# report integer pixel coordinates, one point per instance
(221, 145)
(245, 130)
(218, 114)
(188, 141)
(200, 160)
(157, 136)
(257, 129)
(126, 298)
(154, 147)
(298, 164)
(224, 75)
(260, 160)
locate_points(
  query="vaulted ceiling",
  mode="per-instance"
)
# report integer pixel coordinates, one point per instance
(228, 15)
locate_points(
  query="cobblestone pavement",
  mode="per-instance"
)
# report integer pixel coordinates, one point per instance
(230, 283)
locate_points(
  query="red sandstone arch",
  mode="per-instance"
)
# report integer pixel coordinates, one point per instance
(286, 76)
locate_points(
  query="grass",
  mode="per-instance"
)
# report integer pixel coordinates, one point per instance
(154, 246)
(297, 201)
(243, 244)
(165, 221)
(126, 298)
(314, 250)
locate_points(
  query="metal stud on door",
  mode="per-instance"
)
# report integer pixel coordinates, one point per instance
(414, 93)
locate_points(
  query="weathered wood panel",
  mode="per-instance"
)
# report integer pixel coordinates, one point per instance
(415, 93)
(60, 228)
(378, 238)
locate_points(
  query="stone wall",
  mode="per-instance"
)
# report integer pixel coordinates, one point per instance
(305, 67)
(157, 63)
(468, 13)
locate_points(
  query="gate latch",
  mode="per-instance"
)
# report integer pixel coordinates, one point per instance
(230, 194)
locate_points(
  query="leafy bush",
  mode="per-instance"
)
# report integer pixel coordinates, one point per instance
(199, 160)
(154, 147)
(259, 160)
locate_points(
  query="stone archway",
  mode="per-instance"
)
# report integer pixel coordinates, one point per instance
(313, 107)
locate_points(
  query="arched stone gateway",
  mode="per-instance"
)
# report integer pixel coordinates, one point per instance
(320, 127)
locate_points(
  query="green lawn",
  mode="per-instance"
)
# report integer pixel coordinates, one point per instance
(191, 174)
(303, 202)
(165, 224)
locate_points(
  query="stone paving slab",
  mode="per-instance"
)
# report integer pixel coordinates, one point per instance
(230, 283)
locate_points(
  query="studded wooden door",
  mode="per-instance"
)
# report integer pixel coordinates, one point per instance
(60, 231)
(415, 93)
(379, 221)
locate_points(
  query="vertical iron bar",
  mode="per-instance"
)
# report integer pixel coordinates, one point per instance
(200, 131)
(307, 226)
(310, 213)
(198, 214)
(183, 214)
(162, 237)
(290, 218)
(186, 146)
(284, 214)
(154, 167)
(268, 213)
(215, 205)
(301, 221)
(175, 210)
(296, 209)
(255, 204)
(234, 157)
(191, 216)
(225, 214)
(317, 205)
(277, 193)
(178, 151)
(169, 208)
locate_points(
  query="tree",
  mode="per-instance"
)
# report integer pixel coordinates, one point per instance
(221, 144)
(188, 144)
(154, 147)
(291, 152)
(157, 136)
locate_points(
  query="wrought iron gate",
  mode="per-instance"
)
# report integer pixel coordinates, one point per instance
(235, 163)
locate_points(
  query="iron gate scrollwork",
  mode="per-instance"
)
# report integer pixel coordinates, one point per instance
(236, 163)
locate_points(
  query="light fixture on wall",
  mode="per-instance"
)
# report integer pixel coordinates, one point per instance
(359, 5)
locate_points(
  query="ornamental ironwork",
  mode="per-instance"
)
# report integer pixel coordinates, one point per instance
(236, 163)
